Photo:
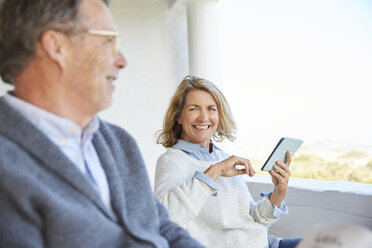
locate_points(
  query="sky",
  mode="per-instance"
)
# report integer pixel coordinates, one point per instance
(298, 68)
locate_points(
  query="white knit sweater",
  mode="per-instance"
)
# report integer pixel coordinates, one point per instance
(230, 219)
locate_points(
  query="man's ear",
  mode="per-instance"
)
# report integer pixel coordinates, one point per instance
(55, 45)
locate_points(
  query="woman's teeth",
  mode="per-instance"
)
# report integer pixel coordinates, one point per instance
(201, 127)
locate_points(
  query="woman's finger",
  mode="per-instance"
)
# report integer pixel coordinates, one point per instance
(283, 166)
(288, 158)
(275, 175)
(279, 178)
(242, 165)
(280, 171)
(250, 171)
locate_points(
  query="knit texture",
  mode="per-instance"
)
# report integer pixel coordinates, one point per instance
(230, 219)
(45, 201)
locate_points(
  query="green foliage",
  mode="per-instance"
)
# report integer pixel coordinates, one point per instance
(345, 168)
(334, 165)
(369, 164)
(355, 154)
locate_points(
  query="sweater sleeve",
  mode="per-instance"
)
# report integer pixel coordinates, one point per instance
(179, 190)
(265, 212)
(176, 236)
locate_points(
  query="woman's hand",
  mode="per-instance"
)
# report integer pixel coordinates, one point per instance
(226, 168)
(280, 176)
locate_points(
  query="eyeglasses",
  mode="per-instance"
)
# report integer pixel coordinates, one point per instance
(109, 33)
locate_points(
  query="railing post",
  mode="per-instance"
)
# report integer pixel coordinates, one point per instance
(203, 40)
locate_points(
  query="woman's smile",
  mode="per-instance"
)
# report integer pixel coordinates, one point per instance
(201, 127)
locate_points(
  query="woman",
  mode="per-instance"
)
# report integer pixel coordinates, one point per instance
(200, 184)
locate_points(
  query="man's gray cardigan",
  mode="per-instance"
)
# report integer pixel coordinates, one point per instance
(45, 201)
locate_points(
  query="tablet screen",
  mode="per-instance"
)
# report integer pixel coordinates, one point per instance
(285, 144)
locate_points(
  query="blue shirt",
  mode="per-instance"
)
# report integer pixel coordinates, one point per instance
(200, 152)
(76, 144)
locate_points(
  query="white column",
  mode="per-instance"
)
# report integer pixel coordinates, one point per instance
(202, 25)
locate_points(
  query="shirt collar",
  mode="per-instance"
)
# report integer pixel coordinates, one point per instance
(56, 128)
(191, 147)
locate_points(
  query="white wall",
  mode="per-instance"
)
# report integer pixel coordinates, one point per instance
(4, 87)
(154, 41)
(312, 202)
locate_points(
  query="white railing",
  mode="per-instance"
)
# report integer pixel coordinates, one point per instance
(313, 202)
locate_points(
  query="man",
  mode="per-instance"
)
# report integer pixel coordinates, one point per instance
(68, 179)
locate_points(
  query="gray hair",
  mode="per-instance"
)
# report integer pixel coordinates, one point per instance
(22, 23)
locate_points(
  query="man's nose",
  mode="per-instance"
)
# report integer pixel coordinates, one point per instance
(120, 60)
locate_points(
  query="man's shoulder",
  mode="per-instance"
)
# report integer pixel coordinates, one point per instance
(107, 128)
(105, 125)
(115, 137)
(6, 111)
(7, 146)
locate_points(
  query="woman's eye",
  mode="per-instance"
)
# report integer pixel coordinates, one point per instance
(193, 109)
(212, 109)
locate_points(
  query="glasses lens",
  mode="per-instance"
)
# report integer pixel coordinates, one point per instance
(117, 45)
(114, 34)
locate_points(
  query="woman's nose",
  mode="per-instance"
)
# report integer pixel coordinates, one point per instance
(203, 116)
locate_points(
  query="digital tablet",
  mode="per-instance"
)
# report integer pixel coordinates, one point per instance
(285, 144)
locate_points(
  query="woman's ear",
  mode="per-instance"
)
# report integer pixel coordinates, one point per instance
(179, 121)
(55, 45)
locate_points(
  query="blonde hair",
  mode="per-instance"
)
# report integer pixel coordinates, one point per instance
(172, 130)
